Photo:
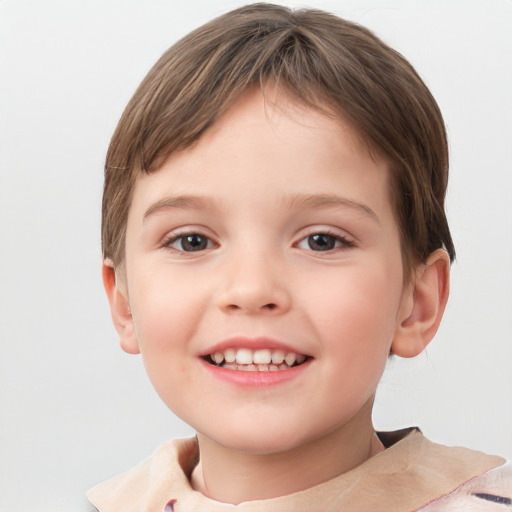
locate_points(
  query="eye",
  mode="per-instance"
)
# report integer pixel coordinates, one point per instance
(322, 242)
(190, 242)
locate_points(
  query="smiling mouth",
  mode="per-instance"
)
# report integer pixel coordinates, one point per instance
(264, 360)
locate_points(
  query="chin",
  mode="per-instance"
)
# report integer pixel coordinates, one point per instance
(257, 446)
(259, 439)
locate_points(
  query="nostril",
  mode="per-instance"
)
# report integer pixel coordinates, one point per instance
(271, 306)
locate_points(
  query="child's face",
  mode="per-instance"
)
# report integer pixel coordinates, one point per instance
(275, 232)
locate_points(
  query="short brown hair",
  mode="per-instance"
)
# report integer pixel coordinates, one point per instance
(322, 61)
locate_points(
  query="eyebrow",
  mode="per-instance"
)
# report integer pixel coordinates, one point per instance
(317, 201)
(179, 202)
(300, 201)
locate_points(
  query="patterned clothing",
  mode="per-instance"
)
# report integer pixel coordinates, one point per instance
(412, 474)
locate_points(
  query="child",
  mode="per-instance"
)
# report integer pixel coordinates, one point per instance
(273, 229)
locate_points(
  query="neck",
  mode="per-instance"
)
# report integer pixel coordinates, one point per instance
(232, 476)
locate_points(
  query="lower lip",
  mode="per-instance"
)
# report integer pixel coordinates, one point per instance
(255, 378)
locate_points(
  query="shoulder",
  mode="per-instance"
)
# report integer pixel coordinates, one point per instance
(146, 487)
(438, 478)
(490, 492)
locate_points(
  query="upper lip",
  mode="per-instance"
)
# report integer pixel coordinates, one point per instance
(258, 343)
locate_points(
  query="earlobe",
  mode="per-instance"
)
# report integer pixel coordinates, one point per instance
(423, 305)
(119, 309)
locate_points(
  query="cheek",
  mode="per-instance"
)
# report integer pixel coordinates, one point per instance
(358, 303)
(356, 319)
(162, 330)
(165, 315)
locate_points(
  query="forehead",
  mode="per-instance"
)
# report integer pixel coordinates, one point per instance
(271, 143)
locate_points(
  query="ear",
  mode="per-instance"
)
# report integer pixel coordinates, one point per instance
(120, 308)
(423, 305)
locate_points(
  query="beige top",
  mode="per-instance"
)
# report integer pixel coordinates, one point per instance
(410, 474)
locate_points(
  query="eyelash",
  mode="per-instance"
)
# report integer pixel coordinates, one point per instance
(340, 242)
(168, 243)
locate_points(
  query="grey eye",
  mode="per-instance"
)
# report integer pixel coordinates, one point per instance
(322, 242)
(192, 242)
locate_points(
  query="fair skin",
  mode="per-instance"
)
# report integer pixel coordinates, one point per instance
(273, 236)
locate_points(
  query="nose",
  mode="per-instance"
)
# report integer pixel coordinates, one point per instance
(254, 285)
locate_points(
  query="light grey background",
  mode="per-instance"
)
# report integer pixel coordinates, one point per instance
(74, 409)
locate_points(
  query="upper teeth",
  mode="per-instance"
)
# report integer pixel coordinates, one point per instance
(263, 356)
